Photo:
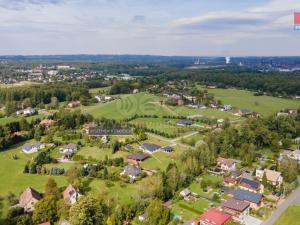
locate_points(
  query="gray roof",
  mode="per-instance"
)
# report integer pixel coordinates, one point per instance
(28, 147)
(245, 110)
(71, 146)
(132, 170)
(150, 147)
(249, 196)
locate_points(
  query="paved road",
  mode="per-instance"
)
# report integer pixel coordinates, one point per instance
(294, 198)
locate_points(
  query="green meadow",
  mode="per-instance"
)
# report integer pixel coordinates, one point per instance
(291, 216)
(127, 106)
(266, 105)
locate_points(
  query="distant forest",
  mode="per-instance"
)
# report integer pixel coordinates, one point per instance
(273, 83)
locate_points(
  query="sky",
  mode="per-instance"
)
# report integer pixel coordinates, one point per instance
(155, 27)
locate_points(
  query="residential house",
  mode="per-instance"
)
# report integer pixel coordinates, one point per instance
(273, 176)
(69, 150)
(239, 210)
(185, 122)
(101, 98)
(214, 216)
(74, 104)
(185, 193)
(227, 107)
(136, 158)
(132, 171)
(28, 199)
(150, 148)
(295, 155)
(230, 181)
(282, 114)
(254, 199)
(28, 111)
(32, 148)
(128, 147)
(244, 112)
(47, 122)
(251, 185)
(71, 195)
(227, 165)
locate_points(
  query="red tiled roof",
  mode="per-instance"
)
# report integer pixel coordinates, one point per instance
(229, 180)
(215, 217)
(28, 195)
(68, 192)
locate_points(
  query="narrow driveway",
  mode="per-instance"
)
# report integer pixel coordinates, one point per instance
(294, 198)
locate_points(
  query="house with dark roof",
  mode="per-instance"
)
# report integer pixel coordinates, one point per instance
(185, 122)
(251, 185)
(244, 112)
(239, 210)
(136, 158)
(132, 171)
(254, 199)
(213, 216)
(150, 148)
(32, 148)
(28, 199)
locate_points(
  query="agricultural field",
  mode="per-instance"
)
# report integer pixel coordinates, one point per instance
(266, 105)
(127, 106)
(162, 125)
(291, 216)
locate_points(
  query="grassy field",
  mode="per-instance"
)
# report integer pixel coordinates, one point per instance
(189, 210)
(265, 105)
(14, 180)
(100, 154)
(123, 193)
(10, 119)
(291, 216)
(127, 106)
(210, 113)
(163, 125)
(95, 91)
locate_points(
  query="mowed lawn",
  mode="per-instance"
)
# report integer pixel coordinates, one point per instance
(10, 119)
(100, 153)
(161, 124)
(12, 176)
(128, 106)
(265, 105)
(291, 216)
(189, 210)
